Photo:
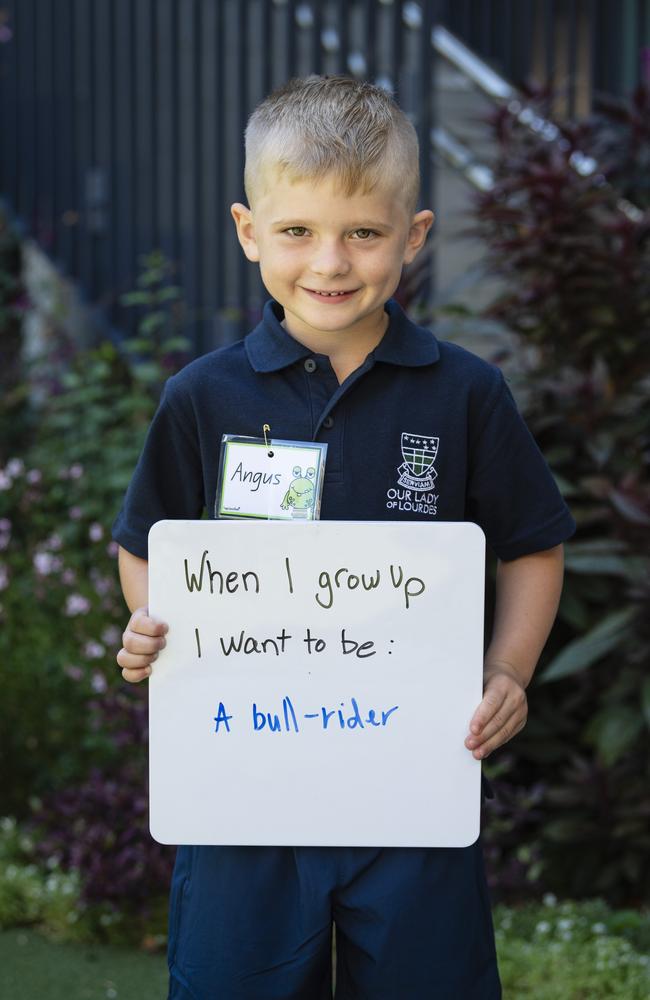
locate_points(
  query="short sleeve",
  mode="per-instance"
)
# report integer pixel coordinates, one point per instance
(167, 481)
(511, 492)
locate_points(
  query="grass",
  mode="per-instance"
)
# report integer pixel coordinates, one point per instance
(549, 951)
(33, 968)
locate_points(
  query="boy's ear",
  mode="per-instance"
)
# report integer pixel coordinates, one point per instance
(420, 226)
(245, 230)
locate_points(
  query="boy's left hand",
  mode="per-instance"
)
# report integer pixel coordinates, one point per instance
(501, 714)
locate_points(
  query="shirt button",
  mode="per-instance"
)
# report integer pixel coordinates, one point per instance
(310, 365)
(328, 422)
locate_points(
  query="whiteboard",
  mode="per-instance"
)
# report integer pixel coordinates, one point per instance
(317, 683)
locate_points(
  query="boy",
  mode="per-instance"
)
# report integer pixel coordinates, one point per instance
(332, 182)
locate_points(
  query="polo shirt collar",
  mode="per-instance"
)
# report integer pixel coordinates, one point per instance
(270, 348)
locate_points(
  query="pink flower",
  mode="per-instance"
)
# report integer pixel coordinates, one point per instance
(54, 543)
(4, 577)
(98, 683)
(76, 471)
(45, 563)
(93, 650)
(95, 532)
(111, 635)
(34, 476)
(103, 585)
(75, 513)
(5, 480)
(76, 673)
(5, 524)
(68, 577)
(15, 467)
(76, 604)
(112, 549)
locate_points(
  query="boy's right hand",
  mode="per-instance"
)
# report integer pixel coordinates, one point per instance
(143, 639)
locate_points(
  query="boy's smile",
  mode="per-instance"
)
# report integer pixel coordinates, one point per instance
(331, 261)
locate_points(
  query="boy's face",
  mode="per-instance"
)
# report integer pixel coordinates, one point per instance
(310, 238)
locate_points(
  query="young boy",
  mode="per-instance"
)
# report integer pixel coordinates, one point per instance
(332, 183)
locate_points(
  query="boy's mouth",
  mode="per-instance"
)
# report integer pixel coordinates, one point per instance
(334, 296)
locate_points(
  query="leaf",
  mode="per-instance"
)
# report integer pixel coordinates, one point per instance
(613, 730)
(573, 610)
(169, 294)
(175, 344)
(611, 565)
(135, 299)
(627, 507)
(152, 322)
(566, 488)
(589, 648)
(596, 546)
(645, 700)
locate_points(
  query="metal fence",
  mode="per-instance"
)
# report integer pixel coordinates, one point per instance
(121, 121)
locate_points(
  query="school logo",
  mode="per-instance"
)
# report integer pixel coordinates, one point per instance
(416, 476)
(419, 453)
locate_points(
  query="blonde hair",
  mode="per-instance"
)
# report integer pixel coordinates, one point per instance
(319, 126)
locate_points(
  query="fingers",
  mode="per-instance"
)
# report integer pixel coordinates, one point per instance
(499, 717)
(142, 640)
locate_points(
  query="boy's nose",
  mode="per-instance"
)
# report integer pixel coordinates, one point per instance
(329, 263)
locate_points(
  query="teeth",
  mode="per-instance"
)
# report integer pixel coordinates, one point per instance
(331, 293)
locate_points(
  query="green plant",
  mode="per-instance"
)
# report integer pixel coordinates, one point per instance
(575, 266)
(73, 747)
(573, 950)
(39, 892)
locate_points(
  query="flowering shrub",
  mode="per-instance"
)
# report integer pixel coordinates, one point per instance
(61, 611)
(73, 746)
(36, 890)
(99, 827)
(574, 265)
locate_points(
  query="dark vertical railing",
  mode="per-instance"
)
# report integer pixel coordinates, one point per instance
(44, 127)
(245, 279)
(124, 179)
(189, 155)
(166, 112)
(425, 90)
(145, 112)
(65, 206)
(104, 145)
(83, 153)
(122, 121)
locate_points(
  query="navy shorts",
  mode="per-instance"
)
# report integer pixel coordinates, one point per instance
(255, 923)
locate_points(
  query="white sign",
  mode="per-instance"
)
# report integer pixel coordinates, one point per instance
(317, 683)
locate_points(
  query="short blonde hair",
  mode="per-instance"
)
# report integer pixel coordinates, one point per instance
(319, 126)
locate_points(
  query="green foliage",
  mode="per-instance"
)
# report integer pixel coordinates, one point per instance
(573, 951)
(61, 611)
(34, 894)
(575, 270)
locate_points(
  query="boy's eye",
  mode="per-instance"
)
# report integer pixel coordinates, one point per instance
(292, 230)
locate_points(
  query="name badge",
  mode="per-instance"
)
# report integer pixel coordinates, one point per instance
(270, 479)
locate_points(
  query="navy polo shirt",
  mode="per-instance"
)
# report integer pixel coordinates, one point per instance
(423, 430)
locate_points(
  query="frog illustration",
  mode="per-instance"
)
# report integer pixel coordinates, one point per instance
(300, 495)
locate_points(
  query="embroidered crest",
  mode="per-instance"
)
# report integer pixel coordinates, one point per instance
(416, 477)
(419, 453)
